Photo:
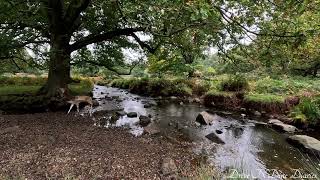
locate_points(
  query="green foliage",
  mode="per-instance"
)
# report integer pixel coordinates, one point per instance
(155, 86)
(308, 111)
(200, 88)
(22, 81)
(220, 93)
(285, 85)
(264, 98)
(18, 89)
(83, 88)
(235, 83)
(31, 85)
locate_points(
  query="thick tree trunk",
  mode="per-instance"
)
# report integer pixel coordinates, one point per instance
(59, 68)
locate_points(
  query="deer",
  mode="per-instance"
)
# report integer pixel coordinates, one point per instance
(76, 100)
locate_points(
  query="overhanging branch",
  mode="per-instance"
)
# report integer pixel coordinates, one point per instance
(110, 68)
(230, 19)
(95, 38)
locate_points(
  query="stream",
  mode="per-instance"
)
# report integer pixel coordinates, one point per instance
(257, 151)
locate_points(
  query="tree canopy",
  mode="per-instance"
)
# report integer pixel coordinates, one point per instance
(62, 33)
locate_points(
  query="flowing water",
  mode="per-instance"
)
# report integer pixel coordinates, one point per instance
(256, 151)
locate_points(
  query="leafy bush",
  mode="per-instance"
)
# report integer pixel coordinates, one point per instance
(200, 88)
(308, 111)
(235, 83)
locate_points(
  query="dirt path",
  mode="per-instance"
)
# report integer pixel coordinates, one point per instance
(53, 145)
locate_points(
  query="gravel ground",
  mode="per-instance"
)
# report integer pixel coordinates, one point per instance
(57, 146)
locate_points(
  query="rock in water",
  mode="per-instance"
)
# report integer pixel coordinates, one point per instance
(114, 118)
(144, 120)
(121, 113)
(204, 118)
(284, 128)
(309, 144)
(147, 106)
(132, 114)
(214, 138)
(274, 121)
(197, 100)
(280, 126)
(152, 129)
(168, 167)
(95, 103)
(257, 113)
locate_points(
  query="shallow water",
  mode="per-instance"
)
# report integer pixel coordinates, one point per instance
(250, 150)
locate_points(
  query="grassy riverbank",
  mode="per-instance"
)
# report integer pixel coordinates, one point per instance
(20, 93)
(296, 97)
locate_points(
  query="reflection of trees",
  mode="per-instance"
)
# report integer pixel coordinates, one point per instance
(274, 151)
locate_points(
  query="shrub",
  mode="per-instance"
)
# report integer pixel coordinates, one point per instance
(235, 83)
(200, 88)
(154, 86)
(307, 112)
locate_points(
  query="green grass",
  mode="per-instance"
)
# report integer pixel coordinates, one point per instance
(22, 81)
(18, 90)
(220, 93)
(285, 85)
(31, 86)
(264, 98)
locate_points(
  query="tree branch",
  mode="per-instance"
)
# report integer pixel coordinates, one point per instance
(95, 38)
(145, 45)
(113, 69)
(228, 19)
(23, 44)
(74, 11)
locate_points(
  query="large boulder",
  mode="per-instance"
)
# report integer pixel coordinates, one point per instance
(282, 127)
(309, 144)
(144, 121)
(205, 118)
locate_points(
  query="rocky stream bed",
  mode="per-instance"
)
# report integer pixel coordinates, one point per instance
(130, 136)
